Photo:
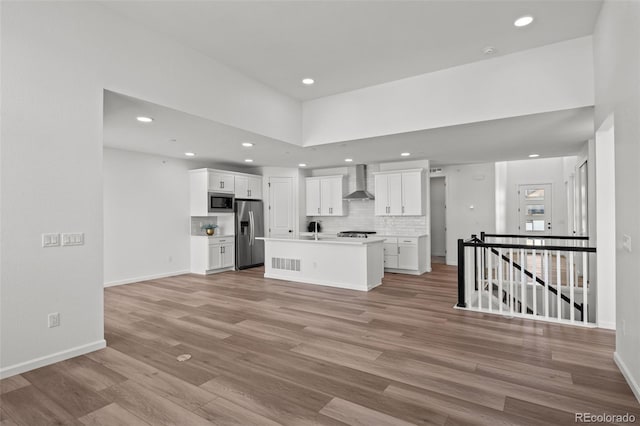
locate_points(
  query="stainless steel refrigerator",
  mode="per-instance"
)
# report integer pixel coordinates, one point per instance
(249, 226)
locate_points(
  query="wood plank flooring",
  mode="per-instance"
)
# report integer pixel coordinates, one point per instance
(268, 352)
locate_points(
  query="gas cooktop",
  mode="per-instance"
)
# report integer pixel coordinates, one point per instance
(355, 234)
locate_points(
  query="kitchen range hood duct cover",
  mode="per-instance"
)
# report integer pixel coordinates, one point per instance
(361, 192)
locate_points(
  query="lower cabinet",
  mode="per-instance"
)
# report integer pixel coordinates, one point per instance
(212, 254)
(407, 255)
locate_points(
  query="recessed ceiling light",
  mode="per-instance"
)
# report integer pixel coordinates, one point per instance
(308, 81)
(247, 144)
(534, 155)
(489, 50)
(173, 140)
(143, 119)
(348, 160)
(523, 21)
(405, 154)
(190, 154)
(302, 165)
(248, 160)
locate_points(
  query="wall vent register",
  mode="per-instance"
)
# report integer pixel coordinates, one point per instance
(285, 264)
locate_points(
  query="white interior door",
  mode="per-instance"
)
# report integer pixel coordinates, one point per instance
(281, 207)
(535, 209)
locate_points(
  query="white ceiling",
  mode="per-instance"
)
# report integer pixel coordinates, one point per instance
(550, 134)
(345, 45)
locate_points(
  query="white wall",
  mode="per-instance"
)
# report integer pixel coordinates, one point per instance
(538, 171)
(438, 219)
(606, 225)
(549, 78)
(146, 216)
(56, 59)
(471, 206)
(617, 83)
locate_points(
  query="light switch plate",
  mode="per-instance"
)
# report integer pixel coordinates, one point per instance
(50, 240)
(626, 242)
(73, 239)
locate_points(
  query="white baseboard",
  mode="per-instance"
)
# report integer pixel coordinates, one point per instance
(145, 278)
(22, 367)
(607, 324)
(627, 375)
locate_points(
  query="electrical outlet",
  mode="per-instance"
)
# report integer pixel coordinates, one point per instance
(73, 239)
(50, 240)
(54, 320)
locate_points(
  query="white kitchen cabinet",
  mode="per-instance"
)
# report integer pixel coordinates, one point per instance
(313, 197)
(249, 187)
(399, 193)
(212, 254)
(221, 253)
(221, 182)
(324, 196)
(406, 255)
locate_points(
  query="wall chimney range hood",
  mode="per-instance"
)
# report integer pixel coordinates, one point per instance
(361, 192)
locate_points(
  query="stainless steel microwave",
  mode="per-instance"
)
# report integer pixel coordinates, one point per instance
(220, 202)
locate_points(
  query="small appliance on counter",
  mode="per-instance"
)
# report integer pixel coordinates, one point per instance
(314, 226)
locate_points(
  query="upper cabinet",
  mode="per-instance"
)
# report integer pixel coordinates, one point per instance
(399, 193)
(248, 187)
(221, 181)
(204, 181)
(324, 196)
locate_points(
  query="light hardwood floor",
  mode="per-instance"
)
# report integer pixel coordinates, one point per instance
(266, 352)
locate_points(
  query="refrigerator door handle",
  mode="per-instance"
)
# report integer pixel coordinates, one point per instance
(251, 228)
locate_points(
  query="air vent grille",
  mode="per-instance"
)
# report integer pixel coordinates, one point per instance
(436, 170)
(285, 264)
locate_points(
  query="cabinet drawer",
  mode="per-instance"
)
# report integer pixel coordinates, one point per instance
(391, 240)
(221, 240)
(408, 241)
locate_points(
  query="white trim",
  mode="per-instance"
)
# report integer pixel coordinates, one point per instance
(607, 324)
(22, 367)
(635, 388)
(145, 278)
(345, 286)
(508, 315)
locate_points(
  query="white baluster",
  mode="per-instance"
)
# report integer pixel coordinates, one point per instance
(571, 289)
(547, 283)
(490, 279)
(534, 287)
(499, 264)
(480, 277)
(558, 285)
(585, 283)
(523, 289)
(511, 281)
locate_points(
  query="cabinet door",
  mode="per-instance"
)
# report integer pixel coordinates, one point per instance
(337, 203)
(408, 256)
(313, 197)
(394, 190)
(412, 194)
(215, 256)
(382, 195)
(391, 262)
(241, 187)
(220, 182)
(326, 197)
(254, 186)
(228, 255)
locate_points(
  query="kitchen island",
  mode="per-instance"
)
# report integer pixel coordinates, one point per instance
(351, 263)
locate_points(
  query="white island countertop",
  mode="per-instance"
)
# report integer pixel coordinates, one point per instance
(328, 240)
